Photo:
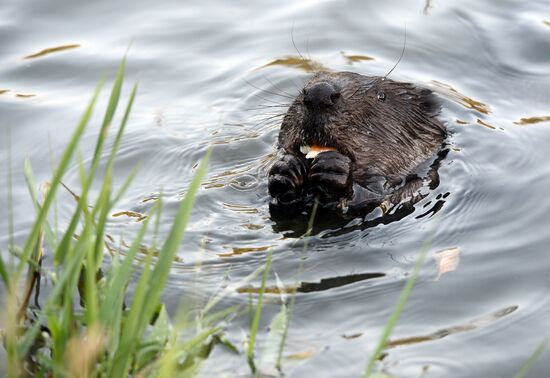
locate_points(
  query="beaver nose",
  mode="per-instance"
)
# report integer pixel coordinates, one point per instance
(320, 95)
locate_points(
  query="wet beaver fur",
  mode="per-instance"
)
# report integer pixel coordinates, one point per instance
(384, 135)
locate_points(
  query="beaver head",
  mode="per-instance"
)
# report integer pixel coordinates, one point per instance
(384, 127)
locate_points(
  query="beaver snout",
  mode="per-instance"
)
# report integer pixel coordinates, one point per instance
(320, 95)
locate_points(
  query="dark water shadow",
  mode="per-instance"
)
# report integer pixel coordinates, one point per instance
(309, 287)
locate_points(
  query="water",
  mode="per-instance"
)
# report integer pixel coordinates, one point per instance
(207, 73)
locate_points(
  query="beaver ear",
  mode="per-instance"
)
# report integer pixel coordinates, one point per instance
(428, 102)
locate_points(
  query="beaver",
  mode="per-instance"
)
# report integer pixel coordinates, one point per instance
(357, 142)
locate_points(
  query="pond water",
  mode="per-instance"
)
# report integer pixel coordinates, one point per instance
(210, 73)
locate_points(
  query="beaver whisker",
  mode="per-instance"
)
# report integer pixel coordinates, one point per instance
(269, 92)
(270, 101)
(297, 85)
(292, 96)
(270, 116)
(267, 119)
(402, 53)
(294, 43)
(263, 107)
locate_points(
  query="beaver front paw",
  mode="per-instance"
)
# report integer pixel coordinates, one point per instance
(330, 176)
(287, 179)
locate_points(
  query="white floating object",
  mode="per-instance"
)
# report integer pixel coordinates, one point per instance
(446, 261)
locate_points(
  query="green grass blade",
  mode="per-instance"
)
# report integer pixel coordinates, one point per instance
(31, 186)
(67, 239)
(405, 293)
(120, 363)
(104, 204)
(125, 185)
(109, 113)
(170, 247)
(115, 95)
(121, 277)
(256, 321)
(290, 309)
(123, 123)
(272, 344)
(82, 205)
(131, 333)
(90, 276)
(55, 207)
(61, 169)
(147, 302)
(532, 360)
(108, 117)
(4, 272)
(170, 361)
(9, 181)
(59, 290)
(216, 298)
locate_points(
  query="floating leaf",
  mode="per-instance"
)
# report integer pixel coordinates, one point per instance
(356, 58)
(352, 336)
(239, 251)
(25, 95)
(132, 214)
(463, 100)
(52, 50)
(299, 62)
(483, 123)
(446, 261)
(301, 355)
(532, 120)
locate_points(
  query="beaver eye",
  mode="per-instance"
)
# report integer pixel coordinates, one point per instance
(381, 96)
(335, 96)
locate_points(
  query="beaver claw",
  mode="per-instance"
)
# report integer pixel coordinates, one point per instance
(287, 178)
(330, 176)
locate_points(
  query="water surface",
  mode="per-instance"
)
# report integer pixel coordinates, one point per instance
(219, 74)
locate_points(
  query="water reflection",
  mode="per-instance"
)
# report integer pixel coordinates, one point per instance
(310, 287)
(466, 327)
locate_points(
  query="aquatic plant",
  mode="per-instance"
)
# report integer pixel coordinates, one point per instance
(89, 324)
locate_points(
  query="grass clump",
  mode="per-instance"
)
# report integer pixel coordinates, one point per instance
(88, 325)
